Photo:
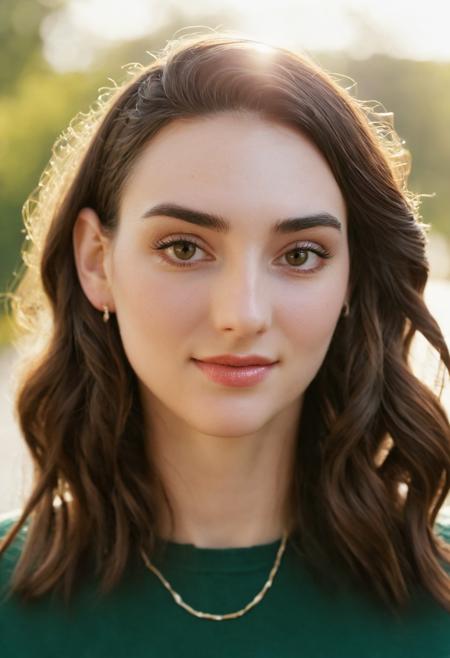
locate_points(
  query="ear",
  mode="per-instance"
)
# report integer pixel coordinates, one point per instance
(92, 250)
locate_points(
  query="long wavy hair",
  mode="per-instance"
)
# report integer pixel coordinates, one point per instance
(372, 464)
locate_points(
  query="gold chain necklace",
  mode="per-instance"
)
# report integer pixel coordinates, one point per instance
(230, 615)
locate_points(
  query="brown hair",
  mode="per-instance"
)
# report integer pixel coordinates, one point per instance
(89, 456)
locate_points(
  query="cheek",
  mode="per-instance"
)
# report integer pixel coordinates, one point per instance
(154, 310)
(309, 320)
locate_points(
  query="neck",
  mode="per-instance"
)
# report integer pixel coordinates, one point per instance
(225, 492)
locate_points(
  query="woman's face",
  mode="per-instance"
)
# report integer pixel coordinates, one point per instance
(243, 290)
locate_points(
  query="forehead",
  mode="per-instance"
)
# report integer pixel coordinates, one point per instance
(236, 164)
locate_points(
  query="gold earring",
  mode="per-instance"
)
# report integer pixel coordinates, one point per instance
(346, 310)
(105, 313)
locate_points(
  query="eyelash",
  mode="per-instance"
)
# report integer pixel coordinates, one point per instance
(164, 245)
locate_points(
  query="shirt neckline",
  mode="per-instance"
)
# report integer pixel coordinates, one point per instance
(194, 558)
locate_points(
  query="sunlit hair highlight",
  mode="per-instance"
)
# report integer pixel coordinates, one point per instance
(95, 488)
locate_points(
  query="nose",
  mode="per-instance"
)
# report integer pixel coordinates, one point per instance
(241, 301)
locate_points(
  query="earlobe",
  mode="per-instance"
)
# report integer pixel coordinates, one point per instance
(91, 252)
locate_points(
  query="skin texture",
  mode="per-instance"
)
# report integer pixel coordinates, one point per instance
(224, 454)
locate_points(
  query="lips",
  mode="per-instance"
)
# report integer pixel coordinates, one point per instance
(238, 360)
(234, 375)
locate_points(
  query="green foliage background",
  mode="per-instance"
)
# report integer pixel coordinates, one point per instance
(36, 104)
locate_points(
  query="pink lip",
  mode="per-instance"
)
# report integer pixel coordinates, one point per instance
(234, 375)
(239, 360)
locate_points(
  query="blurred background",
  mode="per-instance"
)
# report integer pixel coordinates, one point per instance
(55, 56)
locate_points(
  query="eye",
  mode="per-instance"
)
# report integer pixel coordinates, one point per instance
(180, 247)
(183, 249)
(301, 254)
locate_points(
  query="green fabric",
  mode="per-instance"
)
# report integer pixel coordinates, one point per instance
(297, 617)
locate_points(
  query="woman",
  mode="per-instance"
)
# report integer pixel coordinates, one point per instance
(232, 453)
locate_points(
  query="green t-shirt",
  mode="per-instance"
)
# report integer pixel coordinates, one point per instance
(296, 618)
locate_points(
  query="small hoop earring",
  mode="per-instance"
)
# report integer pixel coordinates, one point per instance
(346, 310)
(105, 313)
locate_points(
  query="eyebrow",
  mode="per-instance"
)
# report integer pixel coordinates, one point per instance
(221, 225)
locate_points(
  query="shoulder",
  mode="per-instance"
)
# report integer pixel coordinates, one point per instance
(443, 531)
(9, 558)
(442, 525)
(7, 520)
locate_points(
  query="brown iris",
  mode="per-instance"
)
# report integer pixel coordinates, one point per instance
(184, 249)
(303, 253)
